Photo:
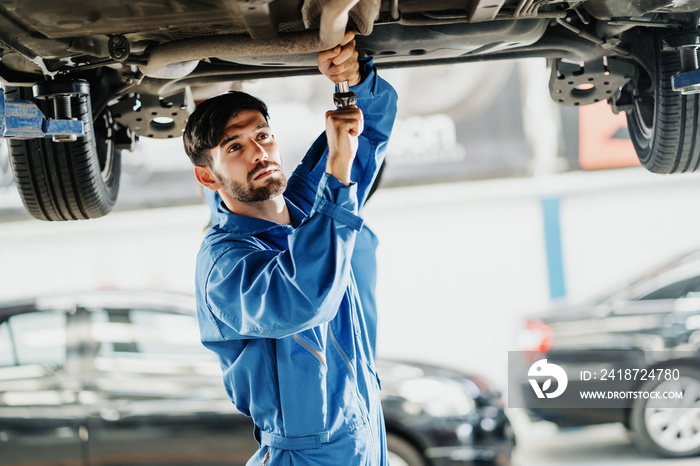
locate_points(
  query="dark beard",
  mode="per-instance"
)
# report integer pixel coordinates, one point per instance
(245, 192)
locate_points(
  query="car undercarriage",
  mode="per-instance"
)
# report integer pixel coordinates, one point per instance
(130, 69)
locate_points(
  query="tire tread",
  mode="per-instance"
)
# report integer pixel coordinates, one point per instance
(674, 146)
(62, 181)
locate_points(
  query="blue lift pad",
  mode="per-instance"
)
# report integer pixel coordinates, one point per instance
(21, 119)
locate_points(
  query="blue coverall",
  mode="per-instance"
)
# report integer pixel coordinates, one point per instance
(363, 262)
(279, 306)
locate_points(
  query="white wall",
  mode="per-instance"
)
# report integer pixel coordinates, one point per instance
(462, 265)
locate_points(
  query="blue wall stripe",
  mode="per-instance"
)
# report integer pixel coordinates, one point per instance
(553, 248)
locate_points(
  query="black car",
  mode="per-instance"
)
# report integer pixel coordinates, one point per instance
(645, 337)
(120, 378)
(127, 69)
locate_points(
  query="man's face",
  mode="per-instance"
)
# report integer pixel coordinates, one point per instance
(246, 162)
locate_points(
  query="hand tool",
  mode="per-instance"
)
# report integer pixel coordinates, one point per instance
(344, 97)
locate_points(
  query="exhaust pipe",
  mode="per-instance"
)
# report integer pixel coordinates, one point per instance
(179, 58)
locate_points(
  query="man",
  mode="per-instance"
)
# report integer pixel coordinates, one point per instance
(276, 295)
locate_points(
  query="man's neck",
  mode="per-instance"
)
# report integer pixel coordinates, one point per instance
(274, 210)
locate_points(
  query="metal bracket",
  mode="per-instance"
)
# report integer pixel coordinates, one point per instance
(154, 117)
(595, 81)
(119, 49)
(21, 119)
(257, 18)
(484, 10)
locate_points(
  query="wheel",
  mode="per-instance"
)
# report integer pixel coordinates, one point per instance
(402, 453)
(67, 180)
(663, 124)
(669, 428)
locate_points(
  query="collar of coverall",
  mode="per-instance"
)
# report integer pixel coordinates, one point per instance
(242, 225)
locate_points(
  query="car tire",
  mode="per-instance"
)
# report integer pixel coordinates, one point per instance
(67, 180)
(664, 430)
(663, 123)
(402, 453)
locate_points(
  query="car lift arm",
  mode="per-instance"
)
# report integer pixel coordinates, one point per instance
(21, 119)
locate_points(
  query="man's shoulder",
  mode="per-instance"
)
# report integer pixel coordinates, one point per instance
(217, 242)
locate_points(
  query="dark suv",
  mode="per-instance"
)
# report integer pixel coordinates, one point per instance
(105, 73)
(627, 340)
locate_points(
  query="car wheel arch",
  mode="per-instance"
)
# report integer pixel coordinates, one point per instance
(397, 430)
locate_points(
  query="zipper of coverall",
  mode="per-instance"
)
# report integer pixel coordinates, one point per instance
(354, 378)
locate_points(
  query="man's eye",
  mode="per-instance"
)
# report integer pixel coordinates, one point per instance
(263, 136)
(234, 148)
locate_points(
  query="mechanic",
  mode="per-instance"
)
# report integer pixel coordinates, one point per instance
(276, 294)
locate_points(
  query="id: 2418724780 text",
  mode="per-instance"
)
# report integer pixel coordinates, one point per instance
(631, 374)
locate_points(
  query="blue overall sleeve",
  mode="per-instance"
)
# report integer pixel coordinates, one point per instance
(269, 293)
(377, 100)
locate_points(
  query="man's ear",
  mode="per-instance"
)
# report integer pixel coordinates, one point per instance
(205, 177)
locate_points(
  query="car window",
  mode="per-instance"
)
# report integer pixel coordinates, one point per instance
(672, 291)
(146, 333)
(694, 290)
(33, 338)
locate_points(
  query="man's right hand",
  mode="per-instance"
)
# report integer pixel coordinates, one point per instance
(340, 63)
(343, 127)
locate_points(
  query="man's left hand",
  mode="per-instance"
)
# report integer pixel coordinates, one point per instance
(340, 63)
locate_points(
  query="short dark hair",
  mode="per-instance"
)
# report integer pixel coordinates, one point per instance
(205, 127)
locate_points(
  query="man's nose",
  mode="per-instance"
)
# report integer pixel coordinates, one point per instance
(260, 152)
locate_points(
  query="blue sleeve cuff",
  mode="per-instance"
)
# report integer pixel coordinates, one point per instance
(365, 90)
(337, 201)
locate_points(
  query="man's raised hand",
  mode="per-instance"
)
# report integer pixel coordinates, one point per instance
(340, 63)
(343, 127)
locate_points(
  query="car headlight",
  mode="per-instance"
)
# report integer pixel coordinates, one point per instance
(437, 397)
